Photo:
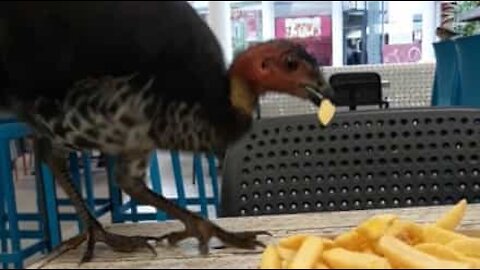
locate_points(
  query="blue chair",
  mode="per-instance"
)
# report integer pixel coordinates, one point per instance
(128, 211)
(48, 216)
(11, 235)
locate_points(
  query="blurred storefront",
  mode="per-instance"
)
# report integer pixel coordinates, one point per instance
(338, 32)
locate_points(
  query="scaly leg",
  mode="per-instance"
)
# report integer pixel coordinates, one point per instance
(130, 176)
(56, 159)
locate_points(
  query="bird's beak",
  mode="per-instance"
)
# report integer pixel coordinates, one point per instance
(316, 94)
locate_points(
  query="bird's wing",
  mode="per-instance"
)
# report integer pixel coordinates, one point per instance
(53, 45)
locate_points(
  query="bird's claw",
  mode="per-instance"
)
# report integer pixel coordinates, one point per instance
(204, 230)
(117, 242)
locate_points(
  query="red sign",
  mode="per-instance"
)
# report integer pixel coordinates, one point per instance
(303, 27)
(314, 33)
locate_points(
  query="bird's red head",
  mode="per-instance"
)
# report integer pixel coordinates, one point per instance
(281, 66)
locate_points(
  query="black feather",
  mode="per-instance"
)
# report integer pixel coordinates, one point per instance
(52, 45)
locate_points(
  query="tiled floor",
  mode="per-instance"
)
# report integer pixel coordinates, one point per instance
(26, 195)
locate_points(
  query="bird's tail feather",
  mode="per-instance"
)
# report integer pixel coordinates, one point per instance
(4, 100)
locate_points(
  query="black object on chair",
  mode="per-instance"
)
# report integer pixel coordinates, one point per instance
(363, 160)
(357, 89)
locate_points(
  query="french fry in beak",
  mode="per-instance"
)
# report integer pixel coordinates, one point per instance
(326, 111)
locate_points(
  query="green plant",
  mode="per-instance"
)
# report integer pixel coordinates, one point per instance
(466, 28)
(451, 17)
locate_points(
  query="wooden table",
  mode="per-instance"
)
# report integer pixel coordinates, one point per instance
(185, 255)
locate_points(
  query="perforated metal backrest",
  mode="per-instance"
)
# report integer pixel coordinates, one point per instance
(357, 88)
(363, 160)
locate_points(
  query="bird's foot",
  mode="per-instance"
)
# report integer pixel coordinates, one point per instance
(120, 243)
(204, 230)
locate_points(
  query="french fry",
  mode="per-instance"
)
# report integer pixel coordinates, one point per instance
(469, 246)
(447, 253)
(308, 254)
(451, 219)
(321, 266)
(435, 234)
(326, 111)
(401, 255)
(439, 251)
(286, 254)
(369, 250)
(382, 241)
(352, 240)
(375, 227)
(292, 242)
(328, 243)
(407, 231)
(270, 258)
(340, 258)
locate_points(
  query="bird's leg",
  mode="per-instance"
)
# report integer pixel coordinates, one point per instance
(95, 232)
(130, 176)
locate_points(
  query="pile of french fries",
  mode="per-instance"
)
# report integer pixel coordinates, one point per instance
(382, 242)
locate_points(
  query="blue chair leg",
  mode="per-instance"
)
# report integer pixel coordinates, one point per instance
(197, 160)
(74, 167)
(134, 210)
(11, 206)
(3, 221)
(213, 175)
(47, 202)
(193, 170)
(87, 173)
(115, 194)
(51, 206)
(177, 171)
(156, 182)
